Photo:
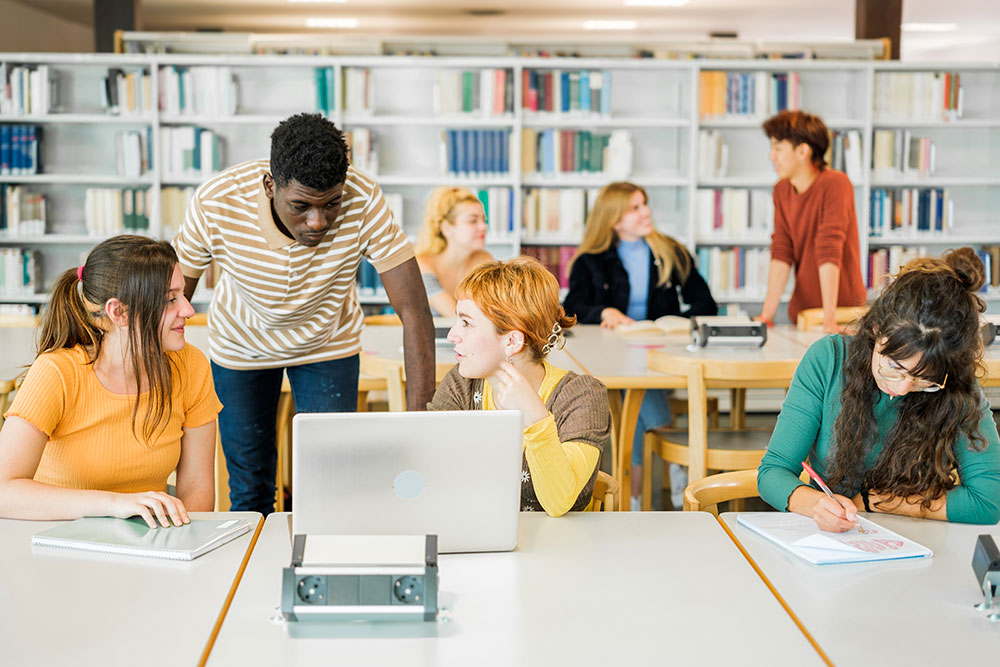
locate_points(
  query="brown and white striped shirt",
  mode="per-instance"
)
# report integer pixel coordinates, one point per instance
(278, 303)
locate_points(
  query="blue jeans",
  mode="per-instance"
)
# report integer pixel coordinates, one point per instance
(248, 419)
(653, 413)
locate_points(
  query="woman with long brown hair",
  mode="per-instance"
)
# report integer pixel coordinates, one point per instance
(509, 319)
(892, 417)
(115, 400)
(626, 270)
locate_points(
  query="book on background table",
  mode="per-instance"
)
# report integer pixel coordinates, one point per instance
(133, 537)
(668, 324)
(800, 535)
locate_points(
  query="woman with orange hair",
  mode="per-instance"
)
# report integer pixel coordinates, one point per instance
(509, 319)
(451, 243)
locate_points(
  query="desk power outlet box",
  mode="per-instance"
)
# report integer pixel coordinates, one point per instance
(361, 577)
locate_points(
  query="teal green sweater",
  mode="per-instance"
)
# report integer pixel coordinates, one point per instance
(805, 429)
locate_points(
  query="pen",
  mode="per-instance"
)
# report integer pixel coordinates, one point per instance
(822, 485)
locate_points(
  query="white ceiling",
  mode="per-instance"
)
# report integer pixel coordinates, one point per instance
(977, 37)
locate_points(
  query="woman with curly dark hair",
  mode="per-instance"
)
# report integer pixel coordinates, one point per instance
(892, 417)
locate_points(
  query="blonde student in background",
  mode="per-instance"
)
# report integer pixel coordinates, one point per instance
(508, 320)
(892, 417)
(451, 243)
(625, 270)
(115, 400)
(815, 224)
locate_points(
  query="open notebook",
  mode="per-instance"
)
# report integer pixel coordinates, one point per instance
(132, 537)
(800, 535)
(668, 324)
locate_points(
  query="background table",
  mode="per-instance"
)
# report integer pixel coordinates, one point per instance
(889, 613)
(584, 589)
(65, 607)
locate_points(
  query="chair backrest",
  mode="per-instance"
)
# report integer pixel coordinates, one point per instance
(706, 494)
(385, 319)
(811, 318)
(606, 493)
(198, 320)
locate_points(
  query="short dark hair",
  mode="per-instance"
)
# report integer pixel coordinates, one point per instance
(310, 149)
(799, 127)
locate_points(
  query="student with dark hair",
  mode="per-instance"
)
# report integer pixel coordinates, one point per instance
(815, 223)
(287, 236)
(892, 417)
(115, 400)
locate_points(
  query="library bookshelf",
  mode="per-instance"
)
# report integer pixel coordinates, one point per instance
(536, 137)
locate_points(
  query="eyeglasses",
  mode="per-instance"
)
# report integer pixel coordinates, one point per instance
(918, 384)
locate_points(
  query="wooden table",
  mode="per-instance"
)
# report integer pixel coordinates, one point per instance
(589, 588)
(917, 612)
(64, 607)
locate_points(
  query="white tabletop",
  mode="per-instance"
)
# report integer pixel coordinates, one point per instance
(584, 589)
(892, 612)
(63, 607)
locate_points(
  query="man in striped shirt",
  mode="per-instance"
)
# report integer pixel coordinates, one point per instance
(287, 236)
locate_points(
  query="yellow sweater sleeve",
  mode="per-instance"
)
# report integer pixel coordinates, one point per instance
(559, 470)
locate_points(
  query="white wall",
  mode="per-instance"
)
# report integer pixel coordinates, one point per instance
(24, 28)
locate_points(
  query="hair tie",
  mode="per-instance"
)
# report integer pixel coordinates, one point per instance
(79, 272)
(555, 341)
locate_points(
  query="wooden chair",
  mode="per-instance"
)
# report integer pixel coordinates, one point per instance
(706, 494)
(198, 320)
(812, 318)
(606, 493)
(729, 449)
(384, 319)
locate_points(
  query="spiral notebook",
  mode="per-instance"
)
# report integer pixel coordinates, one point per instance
(799, 534)
(132, 537)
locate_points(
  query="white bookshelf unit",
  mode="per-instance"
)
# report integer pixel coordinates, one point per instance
(663, 108)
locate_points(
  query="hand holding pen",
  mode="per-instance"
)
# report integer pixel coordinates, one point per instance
(833, 513)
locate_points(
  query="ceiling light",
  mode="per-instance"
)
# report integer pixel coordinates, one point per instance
(319, 22)
(929, 27)
(656, 3)
(609, 25)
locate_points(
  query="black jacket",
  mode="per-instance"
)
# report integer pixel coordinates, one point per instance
(599, 280)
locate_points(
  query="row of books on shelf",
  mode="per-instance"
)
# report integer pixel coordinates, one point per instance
(20, 149)
(734, 213)
(753, 94)
(554, 258)
(20, 273)
(498, 204)
(202, 91)
(585, 92)
(735, 272)
(359, 90)
(174, 203)
(369, 282)
(364, 155)
(326, 90)
(918, 95)
(110, 211)
(22, 213)
(550, 152)
(187, 150)
(886, 261)
(26, 90)
(485, 92)
(556, 212)
(479, 153)
(900, 153)
(845, 154)
(133, 152)
(909, 210)
(127, 92)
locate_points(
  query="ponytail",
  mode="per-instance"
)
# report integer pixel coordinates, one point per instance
(68, 321)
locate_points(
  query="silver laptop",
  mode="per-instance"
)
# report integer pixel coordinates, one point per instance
(456, 475)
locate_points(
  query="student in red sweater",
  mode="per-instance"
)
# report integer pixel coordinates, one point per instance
(815, 223)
